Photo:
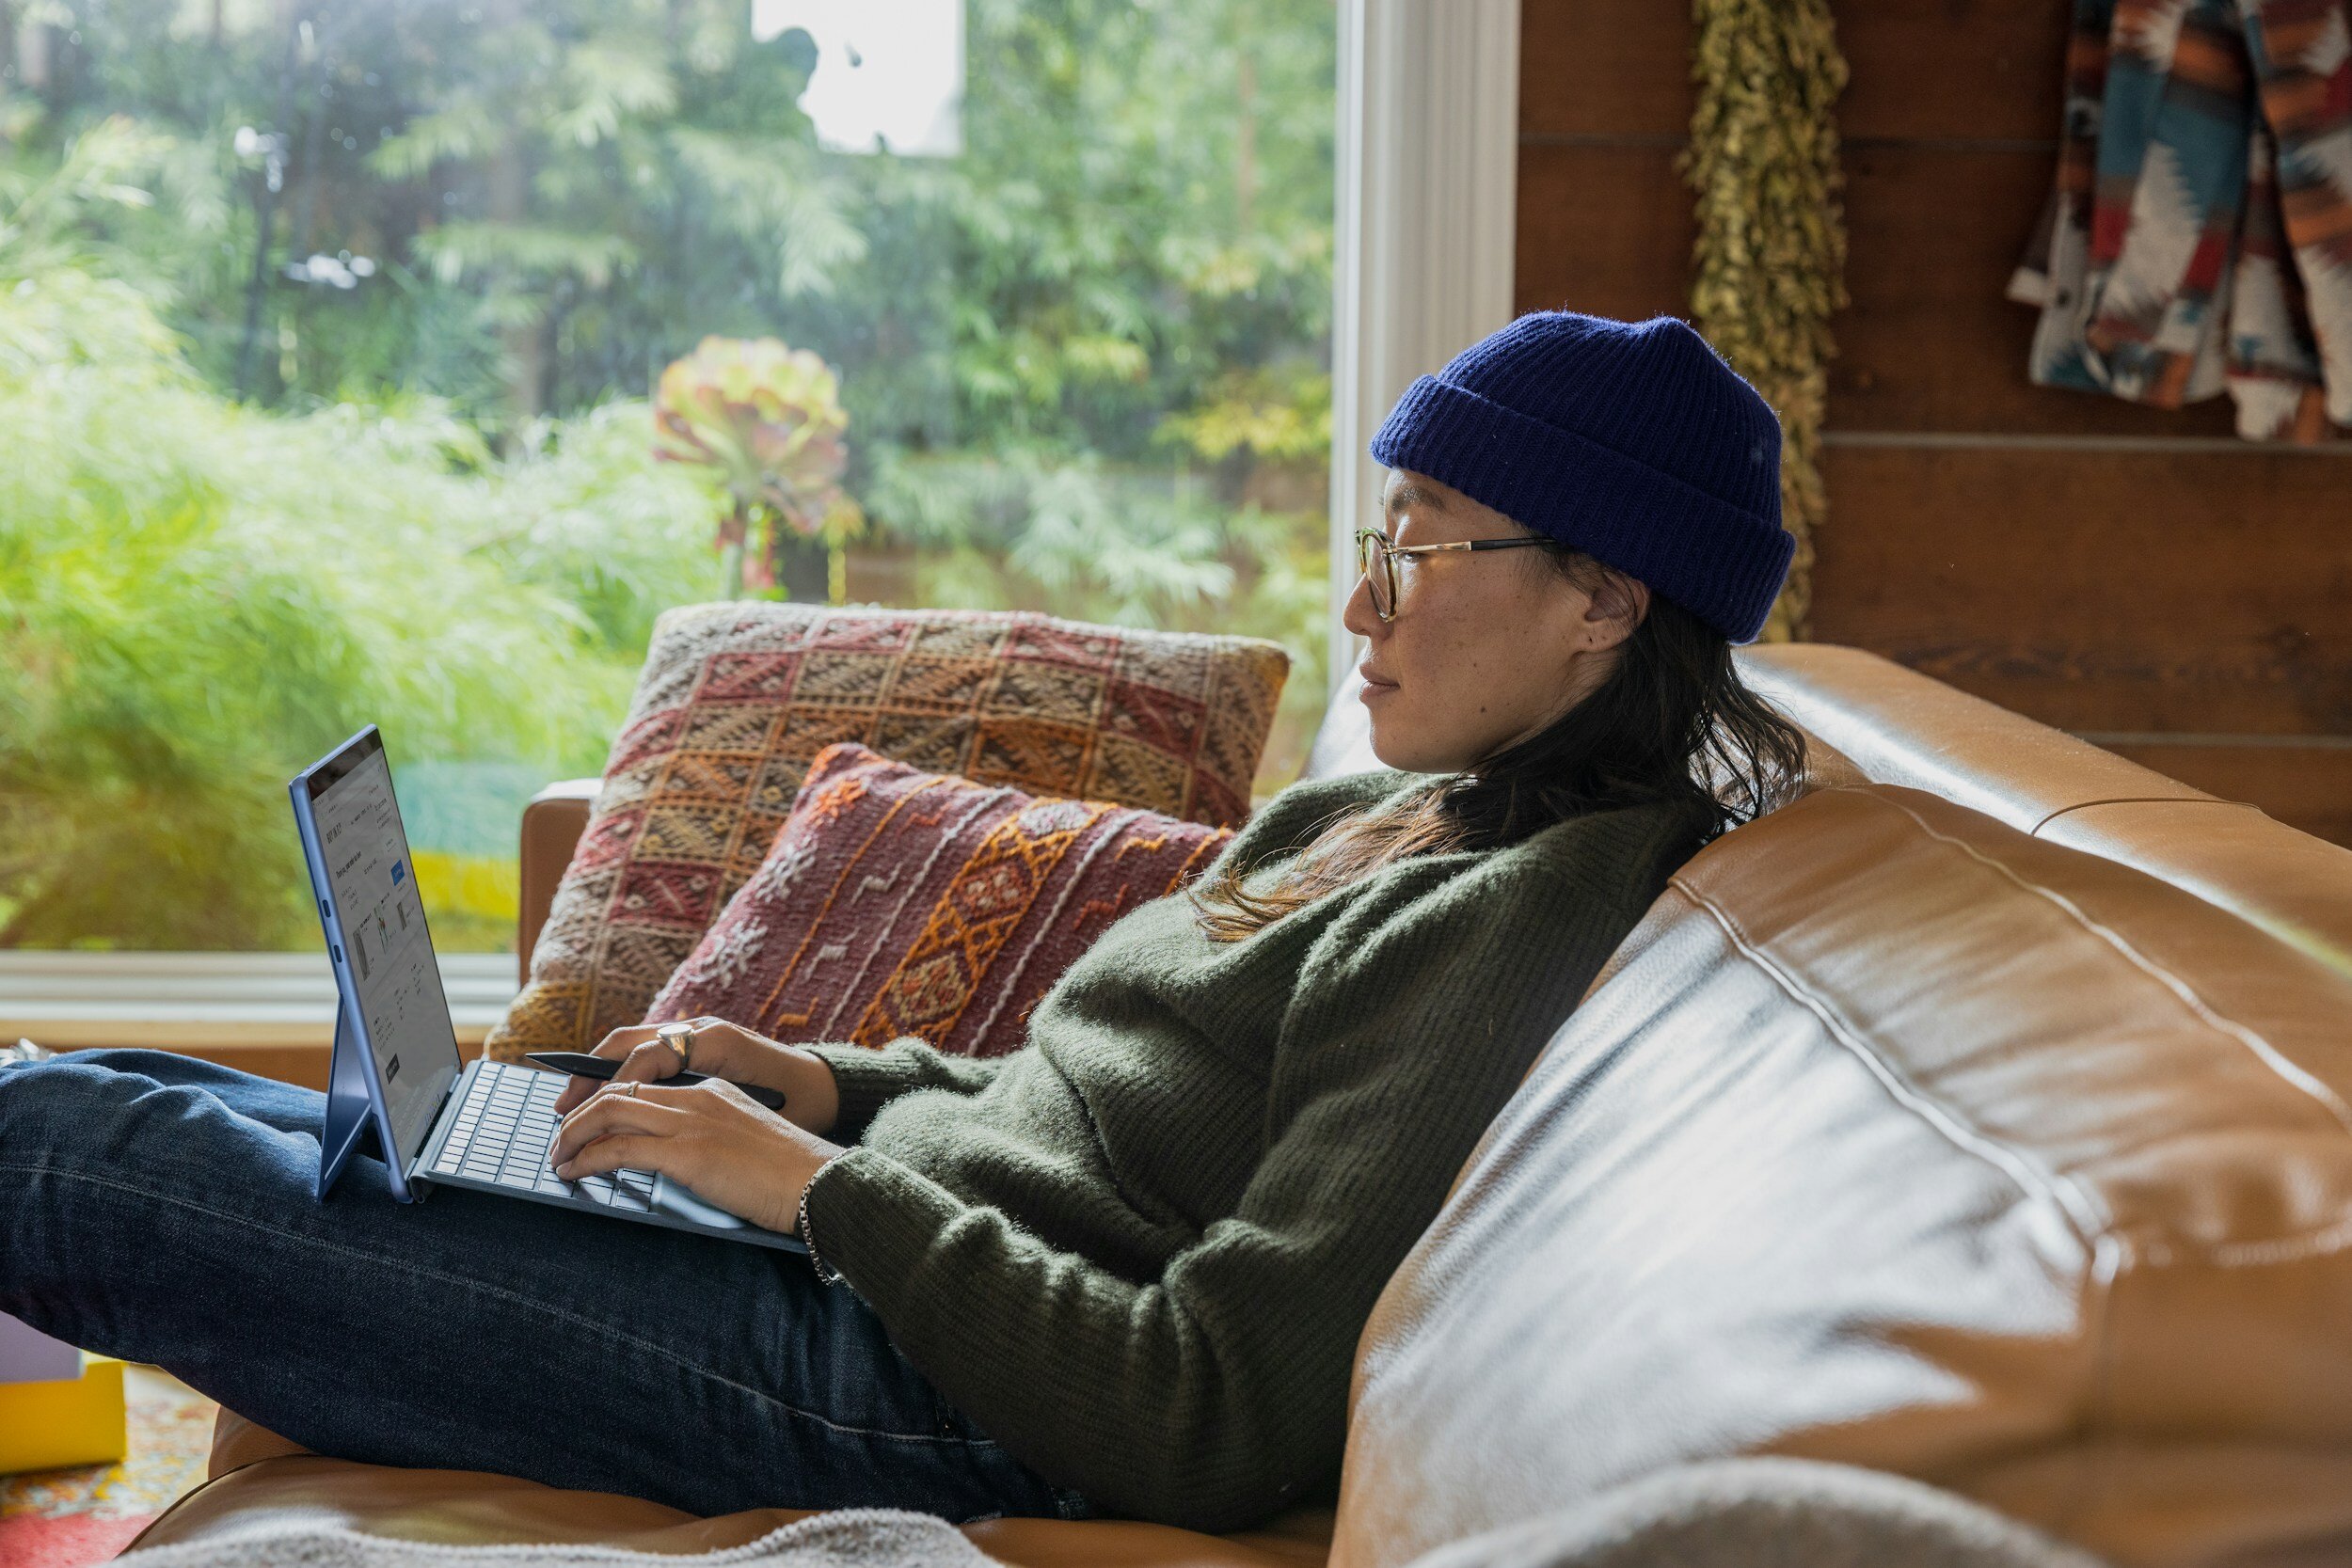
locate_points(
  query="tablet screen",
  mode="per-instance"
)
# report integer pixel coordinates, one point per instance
(391, 956)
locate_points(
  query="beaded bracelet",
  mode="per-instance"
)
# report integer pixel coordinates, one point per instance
(824, 1276)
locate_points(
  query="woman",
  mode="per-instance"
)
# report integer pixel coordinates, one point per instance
(1123, 1270)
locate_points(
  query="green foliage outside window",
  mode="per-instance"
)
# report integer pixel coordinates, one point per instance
(400, 471)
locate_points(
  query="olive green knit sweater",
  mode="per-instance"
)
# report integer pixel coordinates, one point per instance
(1139, 1252)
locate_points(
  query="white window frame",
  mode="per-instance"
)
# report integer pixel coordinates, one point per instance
(1425, 226)
(1425, 193)
(215, 1003)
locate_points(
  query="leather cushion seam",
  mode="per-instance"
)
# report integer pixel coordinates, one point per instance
(2140, 801)
(2269, 1250)
(2197, 1007)
(2085, 1217)
(2104, 1250)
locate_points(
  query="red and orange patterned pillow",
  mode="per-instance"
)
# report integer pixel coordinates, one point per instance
(737, 698)
(900, 902)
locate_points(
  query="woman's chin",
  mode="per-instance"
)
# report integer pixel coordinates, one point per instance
(1392, 737)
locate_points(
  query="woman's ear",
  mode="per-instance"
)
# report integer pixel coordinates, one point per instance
(1618, 604)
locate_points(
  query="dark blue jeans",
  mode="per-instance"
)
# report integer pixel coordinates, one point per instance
(161, 1209)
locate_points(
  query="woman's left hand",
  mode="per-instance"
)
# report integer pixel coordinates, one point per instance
(710, 1136)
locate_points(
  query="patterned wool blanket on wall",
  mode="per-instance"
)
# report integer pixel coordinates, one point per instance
(2198, 237)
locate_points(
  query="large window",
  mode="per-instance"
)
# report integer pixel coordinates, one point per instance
(329, 330)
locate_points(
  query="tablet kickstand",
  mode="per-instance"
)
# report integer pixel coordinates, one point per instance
(349, 1111)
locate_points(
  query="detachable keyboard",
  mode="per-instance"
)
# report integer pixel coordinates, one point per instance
(494, 1133)
(506, 1124)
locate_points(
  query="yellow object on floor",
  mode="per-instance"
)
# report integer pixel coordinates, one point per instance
(47, 1426)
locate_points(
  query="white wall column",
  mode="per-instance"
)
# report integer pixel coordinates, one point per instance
(1426, 178)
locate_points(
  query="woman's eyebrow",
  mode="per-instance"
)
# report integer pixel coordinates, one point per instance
(1409, 494)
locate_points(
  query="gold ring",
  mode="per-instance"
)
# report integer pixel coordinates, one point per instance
(629, 1088)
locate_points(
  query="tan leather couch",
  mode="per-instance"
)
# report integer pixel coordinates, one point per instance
(1982, 1116)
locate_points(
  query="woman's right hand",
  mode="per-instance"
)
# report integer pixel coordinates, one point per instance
(721, 1050)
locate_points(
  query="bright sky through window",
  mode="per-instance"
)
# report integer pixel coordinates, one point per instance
(889, 73)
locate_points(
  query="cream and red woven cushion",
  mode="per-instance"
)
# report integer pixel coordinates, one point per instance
(901, 902)
(738, 699)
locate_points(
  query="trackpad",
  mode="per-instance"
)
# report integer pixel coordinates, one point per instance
(670, 1197)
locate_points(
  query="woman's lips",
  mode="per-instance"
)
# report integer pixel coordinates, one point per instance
(1374, 685)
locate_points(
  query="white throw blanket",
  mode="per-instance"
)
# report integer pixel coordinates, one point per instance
(847, 1538)
(1727, 1514)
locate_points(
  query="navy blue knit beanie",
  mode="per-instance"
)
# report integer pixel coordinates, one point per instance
(1632, 441)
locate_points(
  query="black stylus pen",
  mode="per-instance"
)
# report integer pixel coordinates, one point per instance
(581, 1065)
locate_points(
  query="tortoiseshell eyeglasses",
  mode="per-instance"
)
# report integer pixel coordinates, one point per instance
(1376, 553)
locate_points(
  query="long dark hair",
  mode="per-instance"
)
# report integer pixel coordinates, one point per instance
(1672, 725)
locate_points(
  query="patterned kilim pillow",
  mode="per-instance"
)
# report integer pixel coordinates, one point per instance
(736, 700)
(900, 902)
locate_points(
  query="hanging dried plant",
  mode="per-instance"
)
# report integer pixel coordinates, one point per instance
(1771, 237)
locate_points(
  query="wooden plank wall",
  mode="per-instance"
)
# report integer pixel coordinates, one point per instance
(2135, 576)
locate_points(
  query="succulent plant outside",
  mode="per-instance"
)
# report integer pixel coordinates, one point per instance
(763, 425)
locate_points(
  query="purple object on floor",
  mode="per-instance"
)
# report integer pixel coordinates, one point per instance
(28, 1355)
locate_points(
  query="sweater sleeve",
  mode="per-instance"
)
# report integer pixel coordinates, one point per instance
(1214, 1394)
(866, 1080)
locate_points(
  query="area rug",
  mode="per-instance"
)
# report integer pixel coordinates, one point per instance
(72, 1518)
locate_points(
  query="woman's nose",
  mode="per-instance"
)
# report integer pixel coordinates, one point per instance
(1358, 616)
